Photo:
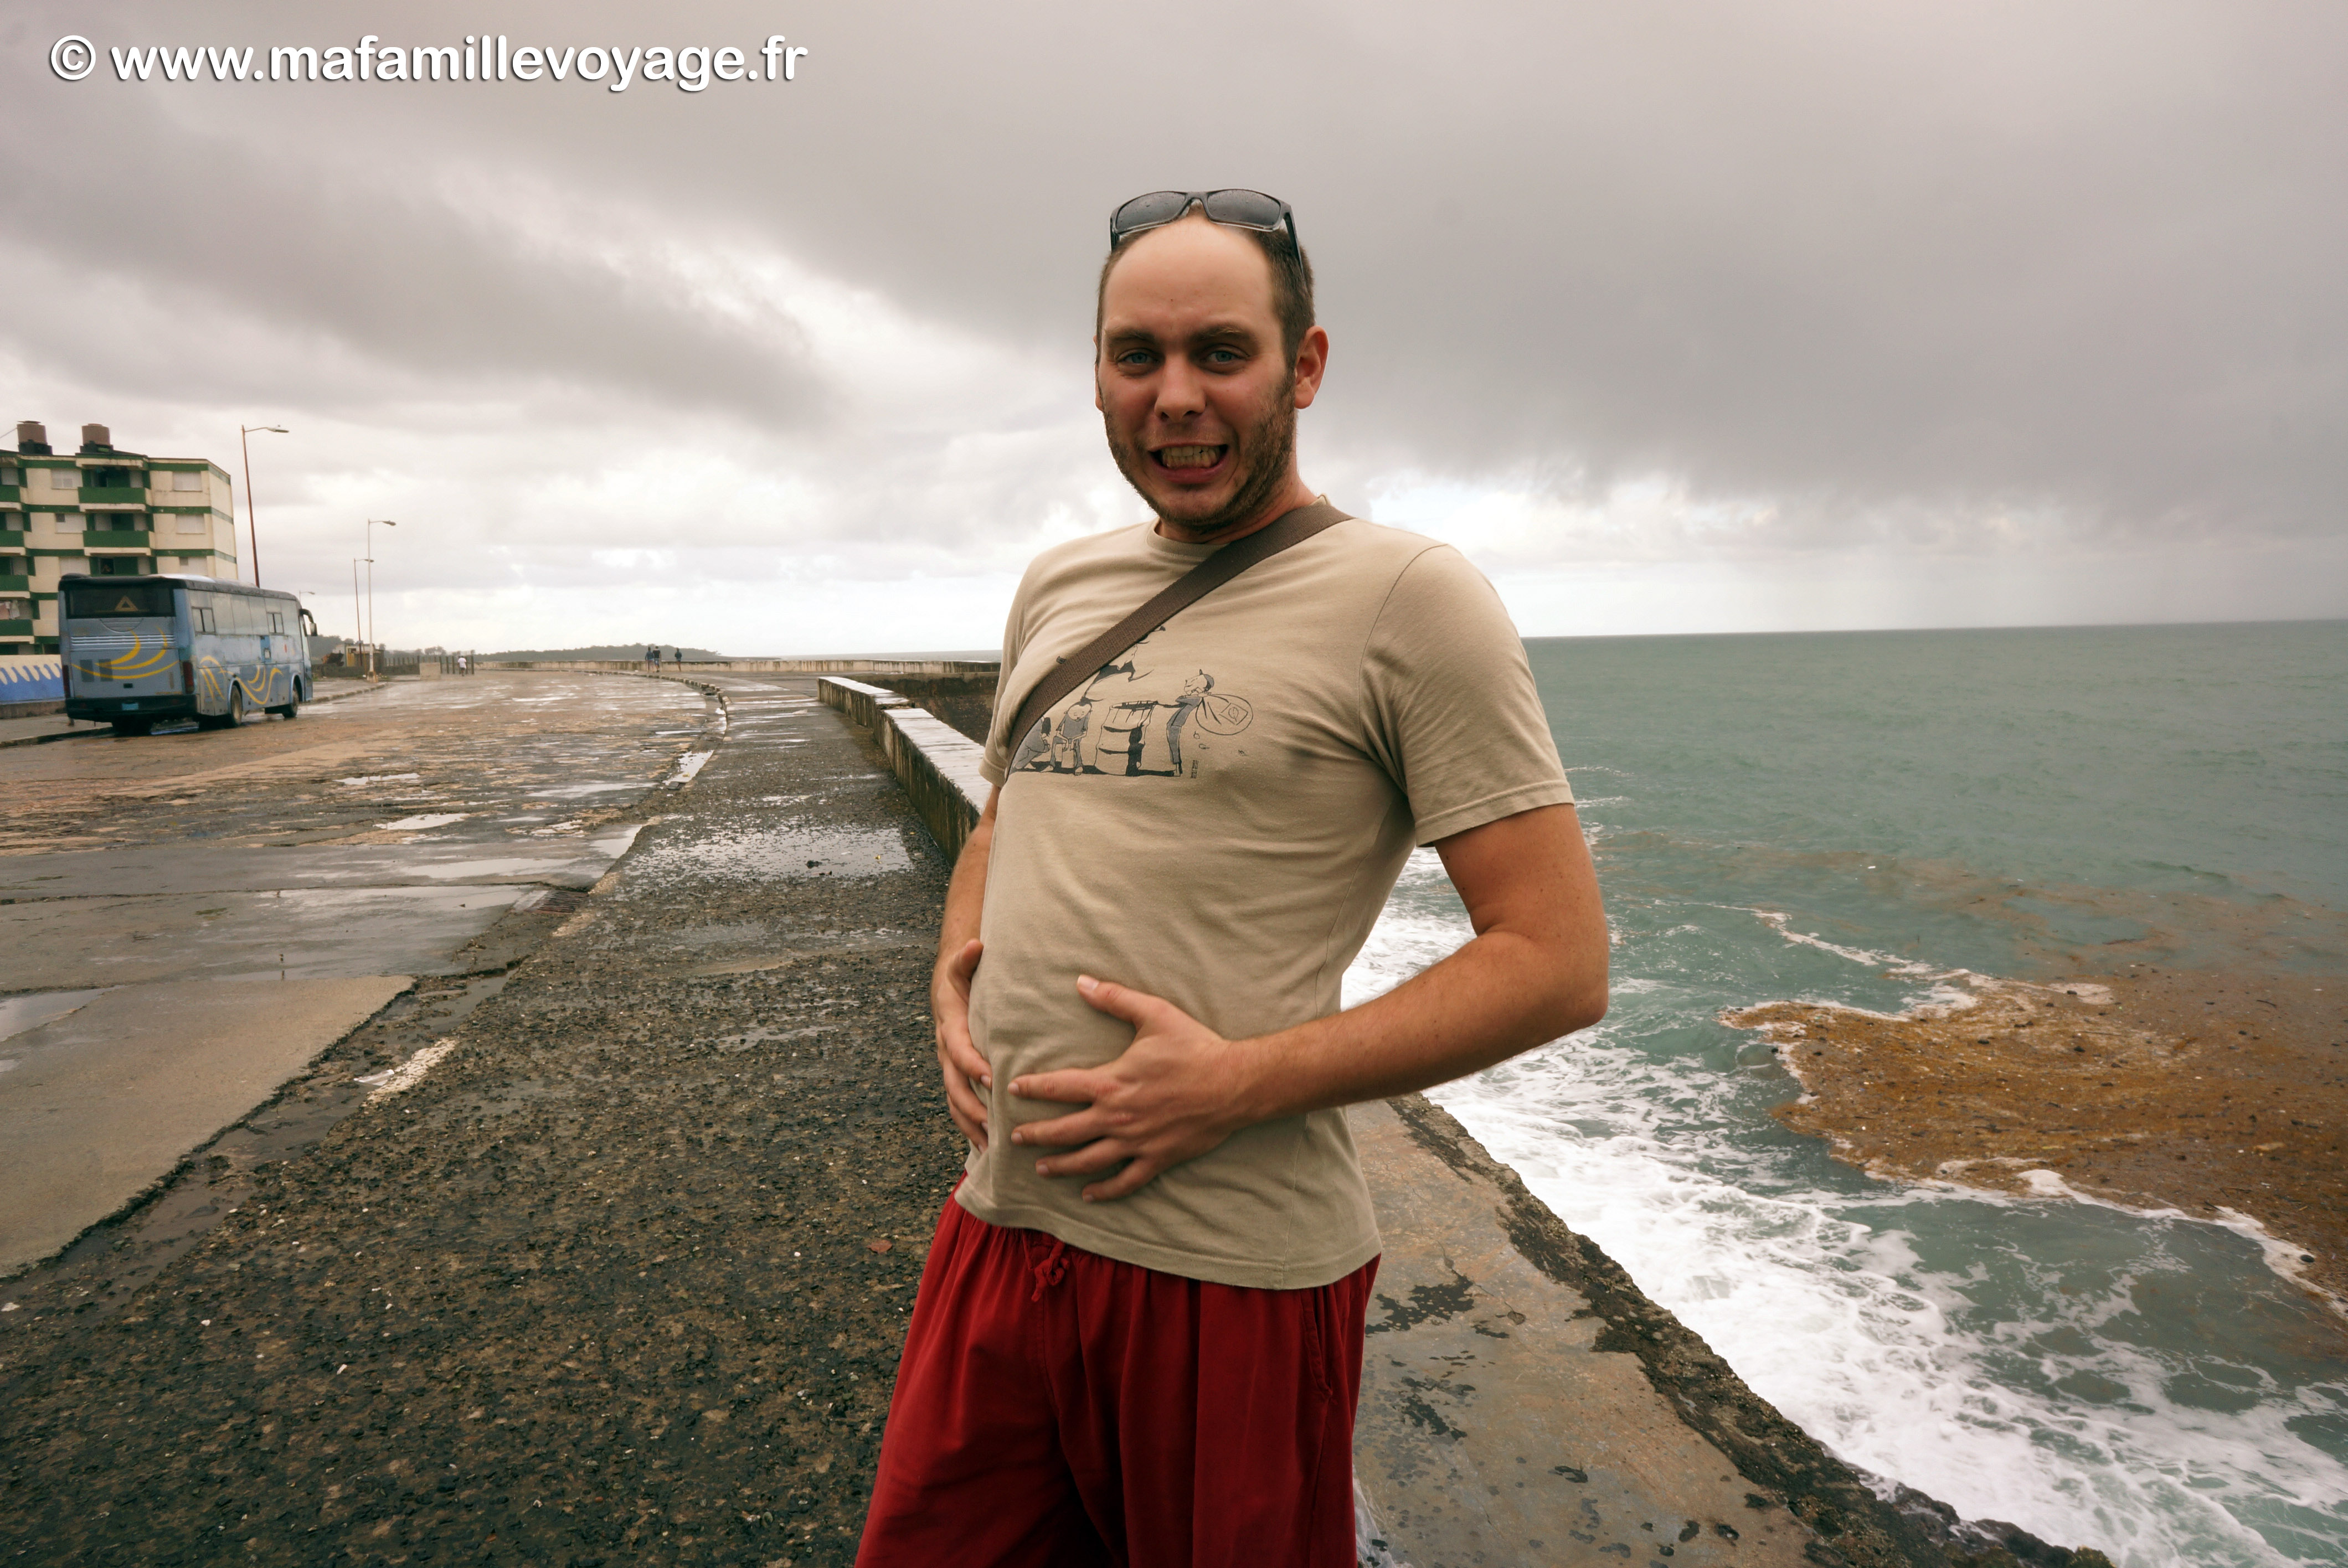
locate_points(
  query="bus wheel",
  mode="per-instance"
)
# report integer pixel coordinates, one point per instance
(291, 710)
(230, 720)
(133, 726)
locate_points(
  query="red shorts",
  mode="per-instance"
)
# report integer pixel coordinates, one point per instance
(1055, 1407)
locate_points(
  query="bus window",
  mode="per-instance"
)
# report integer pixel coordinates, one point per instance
(91, 600)
(200, 614)
(276, 623)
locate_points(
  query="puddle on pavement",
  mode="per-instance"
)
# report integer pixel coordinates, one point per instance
(576, 792)
(418, 824)
(615, 844)
(380, 778)
(18, 1014)
(762, 853)
(298, 933)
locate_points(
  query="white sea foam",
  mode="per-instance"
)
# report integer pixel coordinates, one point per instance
(1931, 1335)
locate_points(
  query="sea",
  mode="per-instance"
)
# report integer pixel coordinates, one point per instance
(1855, 817)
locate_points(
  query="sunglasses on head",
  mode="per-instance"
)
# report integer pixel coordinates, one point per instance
(1238, 209)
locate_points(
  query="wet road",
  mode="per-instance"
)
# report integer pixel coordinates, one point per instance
(613, 1268)
(187, 918)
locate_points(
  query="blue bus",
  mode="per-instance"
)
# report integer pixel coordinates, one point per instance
(141, 651)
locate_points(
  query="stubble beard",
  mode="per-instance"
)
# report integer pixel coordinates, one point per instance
(1266, 447)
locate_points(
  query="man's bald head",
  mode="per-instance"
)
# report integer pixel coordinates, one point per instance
(1288, 276)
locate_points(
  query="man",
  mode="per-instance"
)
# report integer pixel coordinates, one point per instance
(1138, 1334)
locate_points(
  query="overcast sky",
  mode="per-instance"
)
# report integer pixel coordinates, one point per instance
(1675, 317)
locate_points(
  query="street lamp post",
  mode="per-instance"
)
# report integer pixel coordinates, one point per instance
(358, 625)
(373, 647)
(252, 528)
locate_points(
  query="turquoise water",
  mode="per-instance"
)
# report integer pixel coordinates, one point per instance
(1847, 817)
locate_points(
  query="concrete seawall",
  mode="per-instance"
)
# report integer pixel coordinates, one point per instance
(1523, 1402)
(937, 765)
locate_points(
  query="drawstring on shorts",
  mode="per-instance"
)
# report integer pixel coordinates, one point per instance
(1053, 1269)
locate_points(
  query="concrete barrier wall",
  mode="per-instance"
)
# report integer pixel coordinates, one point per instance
(880, 667)
(937, 764)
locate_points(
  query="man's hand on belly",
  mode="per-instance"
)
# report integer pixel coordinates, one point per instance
(966, 1073)
(1171, 1097)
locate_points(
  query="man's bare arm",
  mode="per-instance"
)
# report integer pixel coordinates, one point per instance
(1536, 969)
(965, 1070)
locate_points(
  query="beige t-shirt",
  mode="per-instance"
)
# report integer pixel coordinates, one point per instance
(1216, 819)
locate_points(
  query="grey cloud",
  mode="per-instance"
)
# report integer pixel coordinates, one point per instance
(351, 258)
(1884, 266)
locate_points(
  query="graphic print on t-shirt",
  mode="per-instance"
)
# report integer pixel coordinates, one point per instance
(1137, 718)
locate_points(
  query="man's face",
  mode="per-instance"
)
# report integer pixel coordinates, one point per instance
(1198, 398)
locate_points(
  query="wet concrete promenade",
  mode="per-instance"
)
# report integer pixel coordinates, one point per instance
(187, 918)
(620, 1278)
(596, 1246)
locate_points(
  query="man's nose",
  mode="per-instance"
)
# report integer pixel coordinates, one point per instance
(1181, 391)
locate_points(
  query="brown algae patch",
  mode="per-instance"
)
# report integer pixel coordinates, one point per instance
(2223, 1097)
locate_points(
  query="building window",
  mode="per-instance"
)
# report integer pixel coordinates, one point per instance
(190, 523)
(67, 522)
(65, 479)
(11, 474)
(16, 609)
(183, 480)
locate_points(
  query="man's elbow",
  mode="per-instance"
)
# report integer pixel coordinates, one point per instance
(1578, 1001)
(1587, 1008)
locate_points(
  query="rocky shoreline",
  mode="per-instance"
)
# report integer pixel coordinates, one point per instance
(2219, 1095)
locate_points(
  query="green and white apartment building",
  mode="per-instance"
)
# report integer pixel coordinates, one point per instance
(105, 512)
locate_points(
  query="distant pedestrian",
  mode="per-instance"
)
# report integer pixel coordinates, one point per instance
(652, 660)
(1138, 1335)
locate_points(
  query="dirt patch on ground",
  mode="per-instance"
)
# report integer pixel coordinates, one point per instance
(2217, 1095)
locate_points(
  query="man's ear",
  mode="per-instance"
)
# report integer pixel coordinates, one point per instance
(1312, 364)
(1096, 385)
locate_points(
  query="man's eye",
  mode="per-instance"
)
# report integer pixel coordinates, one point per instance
(1223, 356)
(1135, 356)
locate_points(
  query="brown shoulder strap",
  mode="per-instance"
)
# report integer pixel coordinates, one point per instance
(1288, 529)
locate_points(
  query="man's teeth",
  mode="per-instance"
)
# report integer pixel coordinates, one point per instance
(1189, 456)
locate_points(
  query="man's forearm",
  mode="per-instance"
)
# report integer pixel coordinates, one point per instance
(1498, 996)
(1536, 970)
